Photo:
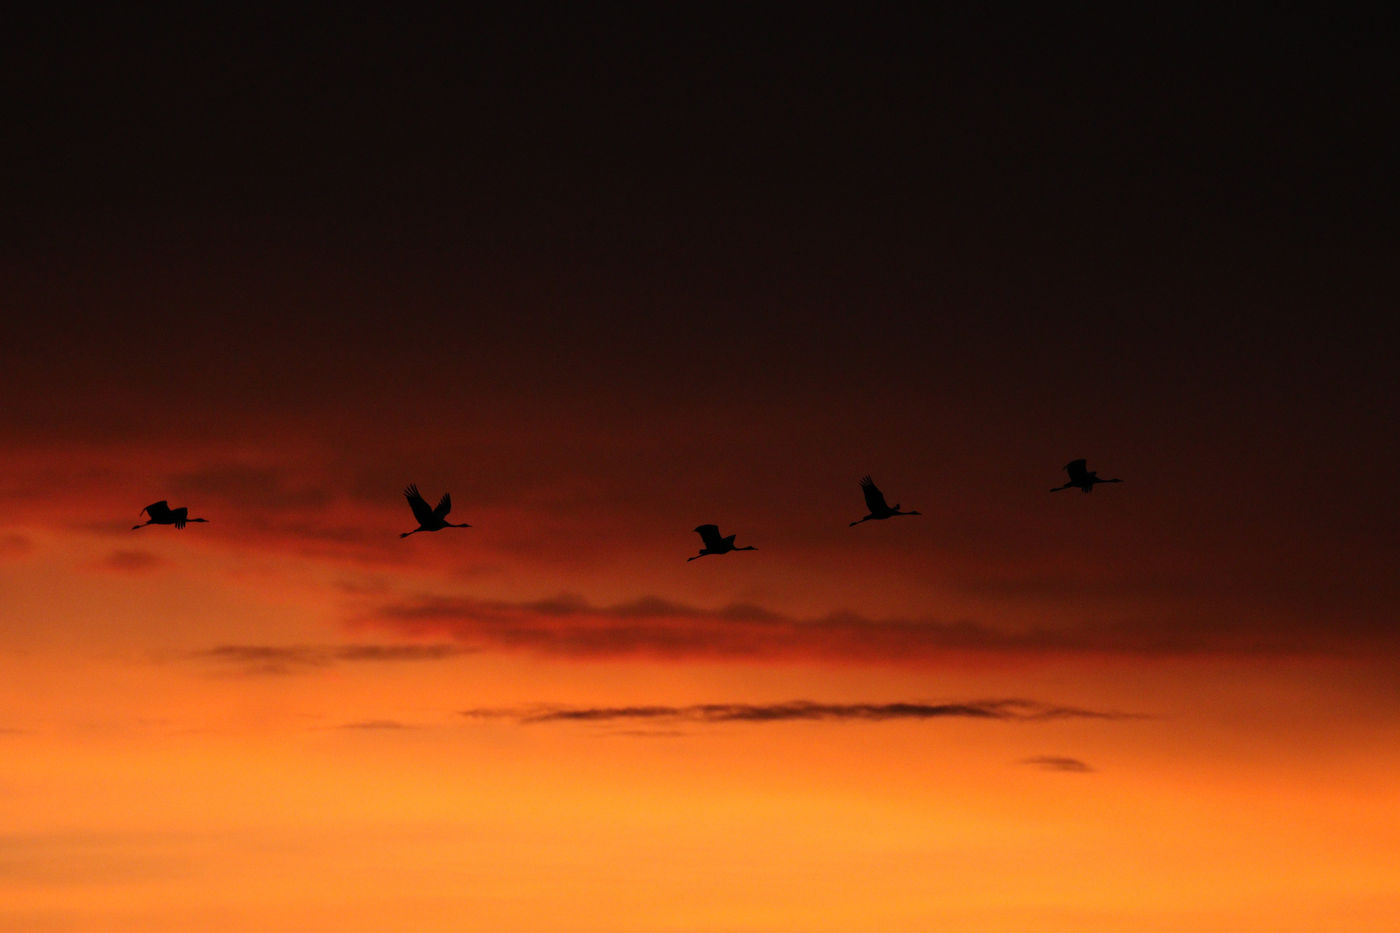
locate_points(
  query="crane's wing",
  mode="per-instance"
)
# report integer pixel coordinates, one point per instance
(1078, 470)
(710, 535)
(418, 504)
(158, 510)
(444, 505)
(729, 540)
(874, 498)
(180, 516)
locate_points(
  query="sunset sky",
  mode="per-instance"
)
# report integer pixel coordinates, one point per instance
(611, 276)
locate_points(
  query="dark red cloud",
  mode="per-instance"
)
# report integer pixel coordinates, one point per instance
(1012, 709)
(1057, 763)
(129, 560)
(293, 659)
(651, 626)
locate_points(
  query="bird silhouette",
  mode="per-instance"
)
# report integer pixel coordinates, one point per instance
(875, 501)
(1082, 478)
(714, 544)
(160, 513)
(429, 519)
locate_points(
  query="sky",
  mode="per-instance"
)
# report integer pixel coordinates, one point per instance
(608, 275)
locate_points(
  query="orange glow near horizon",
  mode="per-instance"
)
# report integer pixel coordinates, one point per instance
(154, 784)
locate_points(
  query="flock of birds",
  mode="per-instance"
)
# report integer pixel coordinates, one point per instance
(435, 518)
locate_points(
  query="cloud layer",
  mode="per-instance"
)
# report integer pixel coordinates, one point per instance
(13, 545)
(1057, 763)
(1010, 709)
(132, 561)
(291, 659)
(652, 626)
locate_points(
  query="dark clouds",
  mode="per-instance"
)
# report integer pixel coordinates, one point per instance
(126, 560)
(1057, 763)
(652, 626)
(292, 659)
(1009, 709)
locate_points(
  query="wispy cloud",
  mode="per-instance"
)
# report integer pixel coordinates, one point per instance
(132, 561)
(67, 857)
(1009, 709)
(15, 545)
(1057, 763)
(292, 659)
(652, 626)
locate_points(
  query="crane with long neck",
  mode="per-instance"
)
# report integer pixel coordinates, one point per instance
(714, 544)
(160, 513)
(429, 519)
(1081, 477)
(875, 502)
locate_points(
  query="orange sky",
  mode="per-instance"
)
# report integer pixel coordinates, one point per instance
(248, 725)
(601, 301)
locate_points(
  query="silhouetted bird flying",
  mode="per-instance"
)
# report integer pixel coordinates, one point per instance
(429, 519)
(160, 513)
(875, 502)
(1081, 477)
(714, 544)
